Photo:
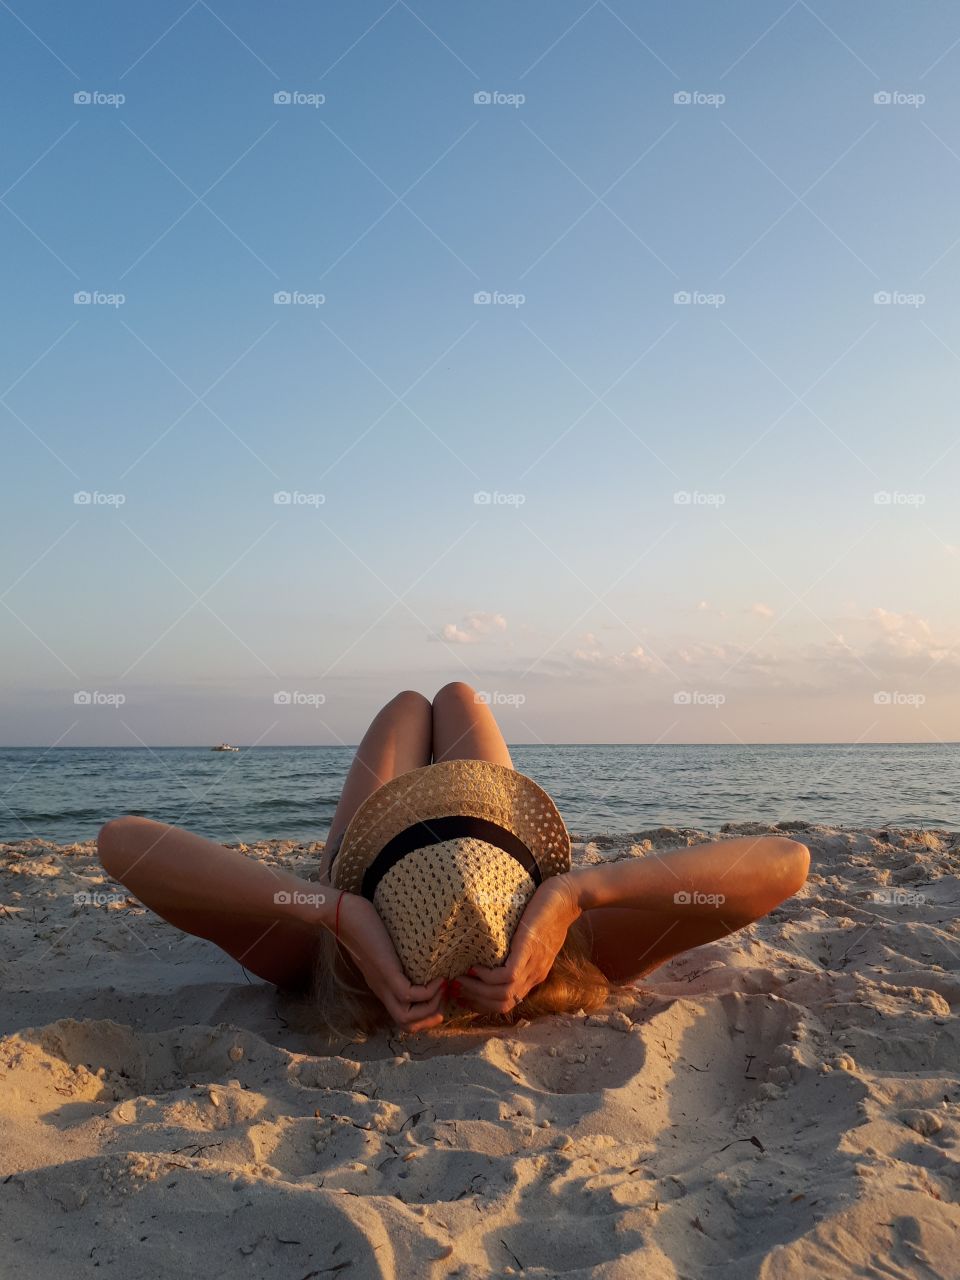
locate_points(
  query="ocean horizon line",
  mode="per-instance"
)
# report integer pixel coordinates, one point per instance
(352, 746)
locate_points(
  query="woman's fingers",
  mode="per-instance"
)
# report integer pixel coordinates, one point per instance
(406, 993)
(411, 1006)
(493, 977)
(495, 1004)
(424, 992)
(410, 1014)
(426, 1024)
(504, 973)
(488, 990)
(492, 997)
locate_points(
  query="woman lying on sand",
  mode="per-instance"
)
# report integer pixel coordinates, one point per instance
(445, 889)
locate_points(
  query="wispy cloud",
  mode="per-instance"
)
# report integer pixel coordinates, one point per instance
(472, 628)
(635, 659)
(873, 647)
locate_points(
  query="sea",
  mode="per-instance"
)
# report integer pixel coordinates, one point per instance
(66, 794)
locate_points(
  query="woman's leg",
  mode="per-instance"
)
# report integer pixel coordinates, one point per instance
(398, 740)
(465, 729)
(265, 918)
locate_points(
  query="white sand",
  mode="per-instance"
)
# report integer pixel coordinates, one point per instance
(784, 1103)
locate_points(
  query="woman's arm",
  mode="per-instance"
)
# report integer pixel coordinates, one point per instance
(266, 918)
(645, 910)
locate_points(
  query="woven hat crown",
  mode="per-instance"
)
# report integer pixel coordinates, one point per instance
(453, 902)
(452, 905)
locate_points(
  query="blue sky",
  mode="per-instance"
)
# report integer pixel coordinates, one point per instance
(782, 602)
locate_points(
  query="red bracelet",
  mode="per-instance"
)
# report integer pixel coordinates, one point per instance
(336, 918)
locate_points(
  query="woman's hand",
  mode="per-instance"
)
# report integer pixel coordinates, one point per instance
(538, 938)
(365, 939)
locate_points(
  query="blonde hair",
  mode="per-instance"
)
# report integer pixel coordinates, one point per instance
(343, 1005)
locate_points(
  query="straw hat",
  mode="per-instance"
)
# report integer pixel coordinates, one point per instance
(450, 855)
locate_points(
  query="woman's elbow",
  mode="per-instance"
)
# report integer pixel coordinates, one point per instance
(115, 845)
(793, 866)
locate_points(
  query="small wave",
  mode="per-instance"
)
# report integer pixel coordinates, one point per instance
(282, 828)
(62, 815)
(278, 803)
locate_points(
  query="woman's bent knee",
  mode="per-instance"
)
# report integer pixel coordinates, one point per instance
(409, 700)
(790, 865)
(115, 841)
(800, 862)
(457, 690)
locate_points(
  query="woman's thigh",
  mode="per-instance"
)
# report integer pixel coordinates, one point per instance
(398, 740)
(465, 728)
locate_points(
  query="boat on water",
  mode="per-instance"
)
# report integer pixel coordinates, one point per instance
(224, 746)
